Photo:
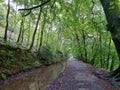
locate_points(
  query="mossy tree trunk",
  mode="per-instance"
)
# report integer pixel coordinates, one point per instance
(112, 12)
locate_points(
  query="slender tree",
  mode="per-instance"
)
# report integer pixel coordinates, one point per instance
(33, 38)
(7, 22)
(20, 32)
(42, 29)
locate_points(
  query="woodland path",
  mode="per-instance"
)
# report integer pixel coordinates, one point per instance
(79, 76)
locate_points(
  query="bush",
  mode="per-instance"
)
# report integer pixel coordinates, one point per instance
(45, 54)
(61, 55)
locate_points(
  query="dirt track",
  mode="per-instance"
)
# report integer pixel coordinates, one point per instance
(79, 76)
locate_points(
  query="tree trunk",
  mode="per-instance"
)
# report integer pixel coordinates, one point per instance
(8, 11)
(20, 32)
(42, 29)
(33, 38)
(112, 12)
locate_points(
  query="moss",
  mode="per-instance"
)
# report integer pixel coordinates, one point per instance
(16, 60)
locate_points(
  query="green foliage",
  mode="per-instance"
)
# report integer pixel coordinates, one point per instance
(37, 64)
(3, 52)
(59, 55)
(76, 28)
(1, 1)
(112, 5)
(117, 2)
(8, 63)
(14, 60)
(45, 54)
(3, 76)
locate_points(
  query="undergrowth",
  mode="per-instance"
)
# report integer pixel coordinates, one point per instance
(14, 60)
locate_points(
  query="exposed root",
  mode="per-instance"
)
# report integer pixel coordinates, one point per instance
(114, 80)
(103, 76)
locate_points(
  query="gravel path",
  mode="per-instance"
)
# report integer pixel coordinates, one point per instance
(78, 76)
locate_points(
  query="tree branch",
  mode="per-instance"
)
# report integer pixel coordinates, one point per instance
(30, 9)
(35, 6)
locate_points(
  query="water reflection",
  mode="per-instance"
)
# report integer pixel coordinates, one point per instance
(35, 80)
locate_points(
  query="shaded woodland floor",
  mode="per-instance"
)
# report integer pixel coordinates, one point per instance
(79, 76)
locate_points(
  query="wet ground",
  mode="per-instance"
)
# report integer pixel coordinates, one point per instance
(79, 76)
(35, 79)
